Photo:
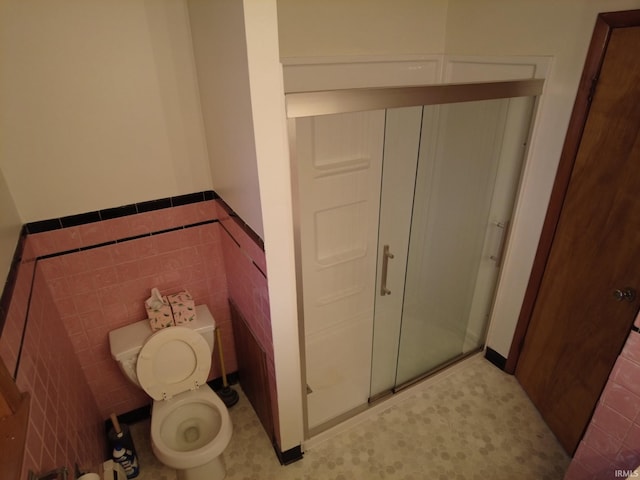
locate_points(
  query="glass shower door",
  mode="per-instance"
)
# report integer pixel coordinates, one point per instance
(437, 271)
(403, 201)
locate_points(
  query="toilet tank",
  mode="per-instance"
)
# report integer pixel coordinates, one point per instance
(126, 342)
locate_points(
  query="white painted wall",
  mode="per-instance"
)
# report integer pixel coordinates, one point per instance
(361, 27)
(99, 105)
(10, 225)
(220, 50)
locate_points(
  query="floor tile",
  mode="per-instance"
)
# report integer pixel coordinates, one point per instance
(475, 423)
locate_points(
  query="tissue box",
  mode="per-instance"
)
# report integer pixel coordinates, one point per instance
(160, 315)
(183, 307)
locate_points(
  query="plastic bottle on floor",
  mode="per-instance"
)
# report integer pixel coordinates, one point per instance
(127, 459)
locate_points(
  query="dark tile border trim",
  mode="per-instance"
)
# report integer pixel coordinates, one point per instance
(117, 212)
(153, 205)
(124, 240)
(43, 226)
(187, 199)
(26, 319)
(12, 276)
(246, 228)
(80, 219)
(264, 274)
(288, 456)
(495, 358)
(133, 209)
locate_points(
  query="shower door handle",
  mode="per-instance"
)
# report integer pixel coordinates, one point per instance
(504, 226)
(386, 255)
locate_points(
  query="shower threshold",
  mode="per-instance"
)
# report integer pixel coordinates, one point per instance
(447, 364)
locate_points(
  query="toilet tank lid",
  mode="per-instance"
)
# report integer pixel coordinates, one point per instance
(127, 341)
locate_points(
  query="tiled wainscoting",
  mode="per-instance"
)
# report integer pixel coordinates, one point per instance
(92, 274)
(248, 290)
(610, 447)
(65, 425)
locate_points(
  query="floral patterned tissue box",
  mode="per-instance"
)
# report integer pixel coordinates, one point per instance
(158, 311)
(183, 307)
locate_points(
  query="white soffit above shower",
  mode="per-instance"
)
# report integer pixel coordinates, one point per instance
(332, 73)
(463, 69)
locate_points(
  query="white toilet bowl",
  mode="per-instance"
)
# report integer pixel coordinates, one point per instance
(190, 432)
(190, 425)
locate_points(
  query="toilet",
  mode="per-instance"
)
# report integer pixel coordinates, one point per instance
(190, 425)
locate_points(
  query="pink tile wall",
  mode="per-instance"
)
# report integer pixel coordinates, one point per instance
(81, 295)
(65, 426)
(104, 288)
(611, 445)
(246, 269)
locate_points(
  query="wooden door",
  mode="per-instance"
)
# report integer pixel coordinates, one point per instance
(576, 326)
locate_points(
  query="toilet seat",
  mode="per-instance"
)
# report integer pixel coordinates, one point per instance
(173, 360)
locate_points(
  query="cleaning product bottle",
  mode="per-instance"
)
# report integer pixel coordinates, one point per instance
(120, 440)
(127, 459)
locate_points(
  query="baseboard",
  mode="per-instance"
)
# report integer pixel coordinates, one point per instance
(288, 456)
(495, 358)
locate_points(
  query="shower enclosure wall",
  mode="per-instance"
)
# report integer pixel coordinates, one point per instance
(404, 198)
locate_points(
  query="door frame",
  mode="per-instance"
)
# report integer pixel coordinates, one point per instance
(605, 23)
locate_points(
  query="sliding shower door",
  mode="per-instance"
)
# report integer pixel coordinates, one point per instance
(403, 217)
(338, 174)
(437, 270)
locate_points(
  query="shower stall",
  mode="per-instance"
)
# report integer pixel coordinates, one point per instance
(403, 200)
